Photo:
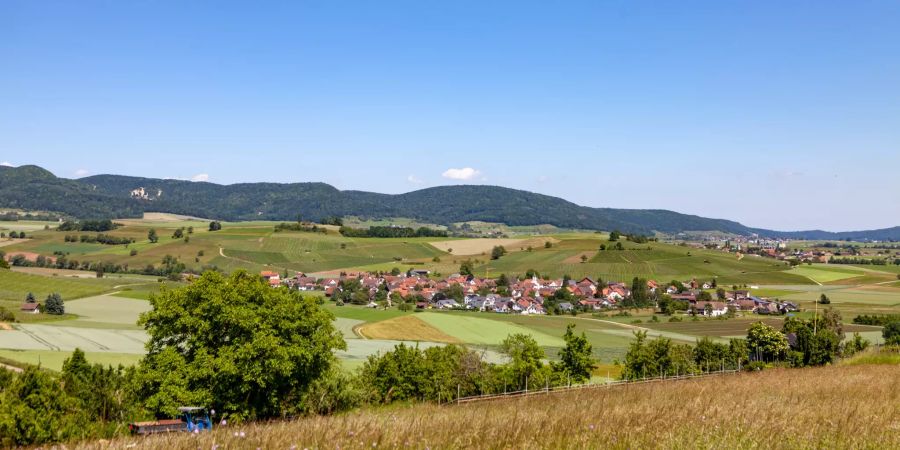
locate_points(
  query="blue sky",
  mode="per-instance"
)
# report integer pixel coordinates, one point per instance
(782, 115)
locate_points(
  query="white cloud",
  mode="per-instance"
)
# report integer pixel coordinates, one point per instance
(414, 179)
(543, 179)
(785, 174)
(200, 177)
(81, 172)
(6, 163)
(464, 174)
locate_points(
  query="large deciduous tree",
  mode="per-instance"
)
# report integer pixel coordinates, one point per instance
(525, 357)
(576, 356)
(766, 343)
(236, 345)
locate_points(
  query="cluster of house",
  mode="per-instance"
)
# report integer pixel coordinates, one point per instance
(772, 248)
(737, 301)
(526, 296)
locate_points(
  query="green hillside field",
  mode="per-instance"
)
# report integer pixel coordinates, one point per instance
(256, 246)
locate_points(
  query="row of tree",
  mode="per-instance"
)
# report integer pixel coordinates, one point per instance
(391, 232)
(87, 225)
(300, 226)
(171, 267)
(100, 238)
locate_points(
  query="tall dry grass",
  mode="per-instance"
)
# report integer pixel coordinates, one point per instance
(835, 407)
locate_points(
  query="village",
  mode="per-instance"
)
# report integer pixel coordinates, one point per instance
(529, 296)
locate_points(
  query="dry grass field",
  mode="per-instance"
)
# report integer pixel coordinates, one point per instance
(831, 407)
(405, 328)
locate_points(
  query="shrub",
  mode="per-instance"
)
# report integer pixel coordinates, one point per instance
(6, 315)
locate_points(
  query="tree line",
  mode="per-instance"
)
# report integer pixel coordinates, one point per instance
(170, 267)
(300, 226)
(87, 225)
(100, 238)
(391, 232)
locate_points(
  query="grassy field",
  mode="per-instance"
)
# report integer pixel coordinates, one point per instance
(480, 329)
(482, 246)
(255, 246)
(15, 285)
(105, 311)
(828, 407)
(53, 360)
(822, 273)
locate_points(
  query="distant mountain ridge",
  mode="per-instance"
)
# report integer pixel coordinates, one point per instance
(105, 196)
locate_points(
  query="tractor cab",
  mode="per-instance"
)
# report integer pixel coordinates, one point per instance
(196, 419)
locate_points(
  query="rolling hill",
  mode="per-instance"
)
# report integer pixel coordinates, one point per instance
(104, 196)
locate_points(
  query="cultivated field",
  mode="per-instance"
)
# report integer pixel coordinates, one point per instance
(483, 246)
(255, 246)
(828, 407)
(408, 327)
(54, 360)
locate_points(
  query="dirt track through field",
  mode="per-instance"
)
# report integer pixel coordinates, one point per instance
(11, 368)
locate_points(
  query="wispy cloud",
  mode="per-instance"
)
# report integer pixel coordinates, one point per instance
(785, 174)
(81, 172)
(464, 174)
(6, 163)
(200, 177)
(414, 179)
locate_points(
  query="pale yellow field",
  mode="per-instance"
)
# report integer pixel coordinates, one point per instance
(405, 328)
(472, 247)
(166, 217)
(56, 272)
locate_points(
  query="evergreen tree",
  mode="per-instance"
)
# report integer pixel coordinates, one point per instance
(54, 305)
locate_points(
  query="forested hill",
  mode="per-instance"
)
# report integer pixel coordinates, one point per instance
(105, 196)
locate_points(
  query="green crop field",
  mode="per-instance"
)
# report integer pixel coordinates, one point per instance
(875, 295)
(480, 329)
(105, 311)
(15, 285)
(822, 273)
(54, 359)
(345, 326)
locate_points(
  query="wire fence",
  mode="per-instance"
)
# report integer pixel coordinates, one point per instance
(610, 384)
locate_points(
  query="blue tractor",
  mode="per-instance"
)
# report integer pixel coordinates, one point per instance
(193, 419)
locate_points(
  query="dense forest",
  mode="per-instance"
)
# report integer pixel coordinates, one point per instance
(111, 196)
